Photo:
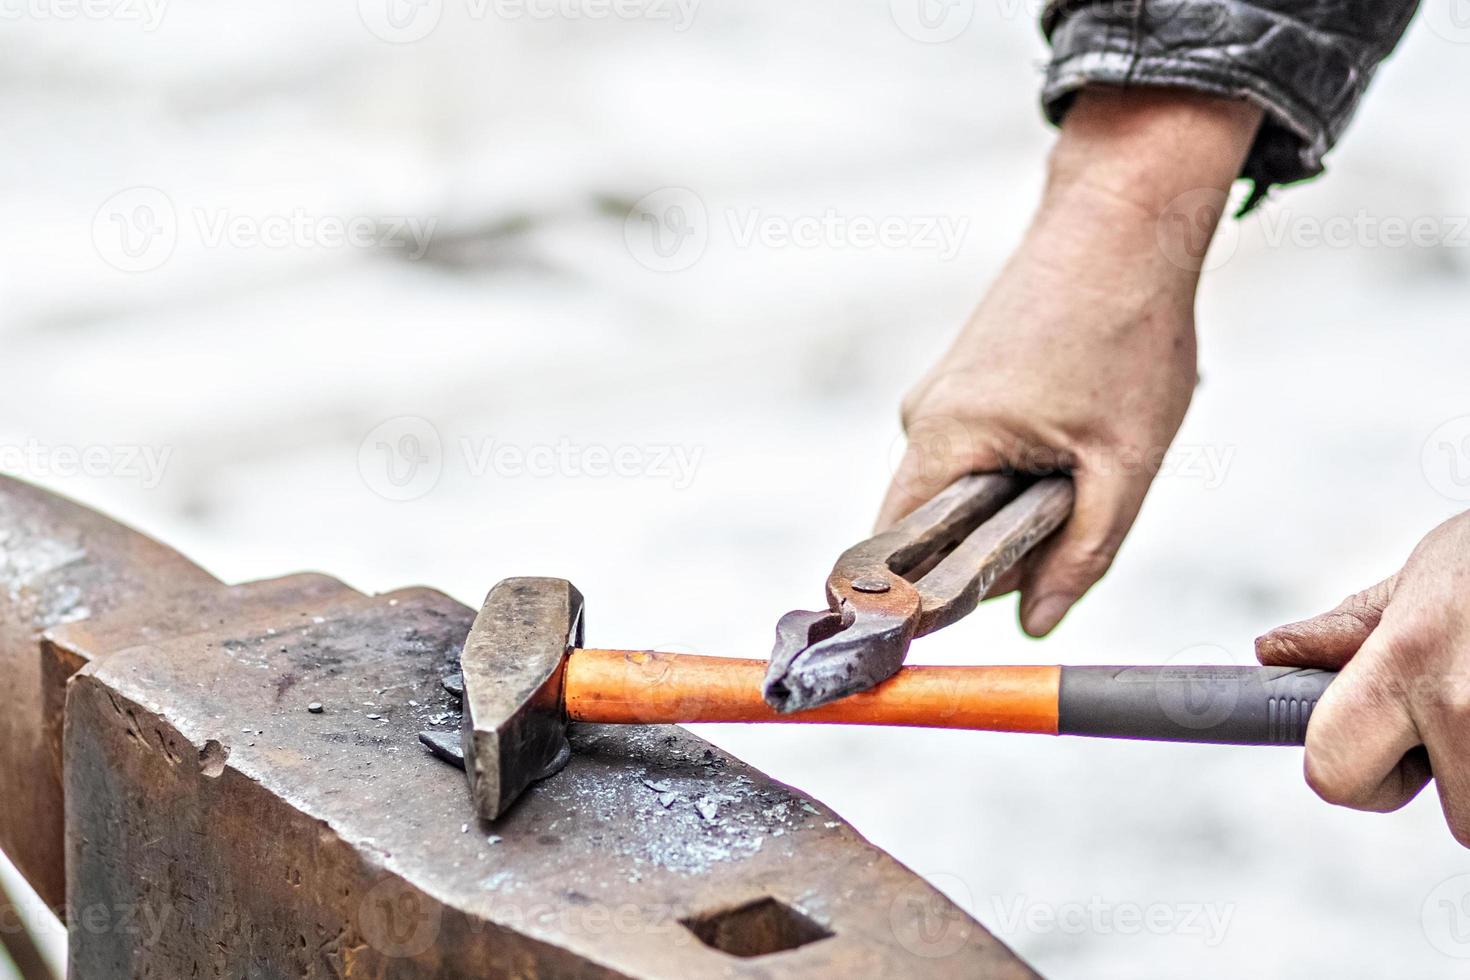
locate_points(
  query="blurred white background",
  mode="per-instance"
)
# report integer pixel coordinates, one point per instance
(175, 288)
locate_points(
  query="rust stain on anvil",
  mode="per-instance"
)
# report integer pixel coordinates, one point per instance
(259, 838)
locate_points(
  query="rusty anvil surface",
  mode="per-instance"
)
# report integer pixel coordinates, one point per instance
(157, 736)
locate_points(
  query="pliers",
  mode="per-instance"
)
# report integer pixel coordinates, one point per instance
(929, 570)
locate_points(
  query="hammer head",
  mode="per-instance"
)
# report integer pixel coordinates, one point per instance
(514, 726)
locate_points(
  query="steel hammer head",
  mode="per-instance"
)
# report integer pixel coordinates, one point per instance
(514, 728)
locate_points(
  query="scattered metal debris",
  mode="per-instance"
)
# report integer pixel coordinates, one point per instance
(454, 684)
(444, 745)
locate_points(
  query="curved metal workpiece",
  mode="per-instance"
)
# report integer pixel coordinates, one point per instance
(242, 776)
(929, 570)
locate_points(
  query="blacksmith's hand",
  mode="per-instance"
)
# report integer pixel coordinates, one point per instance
(1399, 712)
(1082, 354)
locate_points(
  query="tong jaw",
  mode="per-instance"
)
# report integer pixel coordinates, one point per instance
(925, 572)
(823, 656)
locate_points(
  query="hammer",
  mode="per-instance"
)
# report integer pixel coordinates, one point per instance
(527, 675)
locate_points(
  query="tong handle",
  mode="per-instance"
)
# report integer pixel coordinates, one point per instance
(952, 588)
(1216, 704)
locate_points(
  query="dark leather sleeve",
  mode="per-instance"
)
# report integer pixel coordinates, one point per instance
(1305, 62)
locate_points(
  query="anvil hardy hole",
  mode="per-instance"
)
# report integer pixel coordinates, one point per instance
(755, 928)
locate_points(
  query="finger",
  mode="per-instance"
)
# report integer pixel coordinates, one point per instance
(1331, 639)
(1065, 567)
(1362, 738)
(1441, 705)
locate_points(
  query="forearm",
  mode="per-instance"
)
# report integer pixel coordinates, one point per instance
(1136, 184)
(1145, 147)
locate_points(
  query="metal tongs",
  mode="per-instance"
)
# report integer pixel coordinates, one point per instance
(929, 570)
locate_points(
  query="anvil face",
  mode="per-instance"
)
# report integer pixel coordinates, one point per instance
(514, 727)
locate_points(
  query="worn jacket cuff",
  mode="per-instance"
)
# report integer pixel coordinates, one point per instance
(1307, 75)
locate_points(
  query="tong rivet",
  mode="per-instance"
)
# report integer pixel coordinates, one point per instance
(870, 585)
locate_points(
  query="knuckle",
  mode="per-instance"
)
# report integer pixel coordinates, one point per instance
(1086, 562)
(1332, 782)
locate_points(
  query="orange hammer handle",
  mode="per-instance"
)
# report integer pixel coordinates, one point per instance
(646, 687)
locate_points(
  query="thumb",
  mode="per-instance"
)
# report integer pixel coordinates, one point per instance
(1331, 639)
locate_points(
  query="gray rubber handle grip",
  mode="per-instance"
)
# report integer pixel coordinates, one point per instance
(1227, 705)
